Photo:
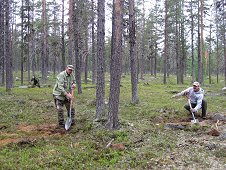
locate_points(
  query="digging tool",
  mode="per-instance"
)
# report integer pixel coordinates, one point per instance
(69, 119)
(193, 116)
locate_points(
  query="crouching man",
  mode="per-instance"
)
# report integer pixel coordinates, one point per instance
(196, 95)
(35, 82)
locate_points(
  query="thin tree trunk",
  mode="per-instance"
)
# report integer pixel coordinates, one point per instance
(224, 39)
(2, 68)
(115, 64)
(22, 46)
(8, 54)
(133, 61)
(210, 51)
(86, 39)
(85, 55)
(44, 54)
(62, 39)
(28, 41)
(94, 65)
(155, 58)
(177, 45)
(70, 32)
(143, 45)
(76, 48)
(200, 42)
(32, 42)
(100, 91)
(217, 48)
(199, 49)
(183, 53)
(192, 43)
(165, 43)
(55, 43)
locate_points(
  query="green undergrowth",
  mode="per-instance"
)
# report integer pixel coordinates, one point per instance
(142, 135)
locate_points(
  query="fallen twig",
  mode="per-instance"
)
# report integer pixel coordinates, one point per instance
(109, 144)
(217, 124)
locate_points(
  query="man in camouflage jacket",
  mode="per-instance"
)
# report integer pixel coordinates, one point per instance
(62, 93)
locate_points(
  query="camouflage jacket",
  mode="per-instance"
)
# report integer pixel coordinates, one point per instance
(63, 85)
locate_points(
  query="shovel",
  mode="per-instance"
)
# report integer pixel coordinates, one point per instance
(193, 116)
(69, 119)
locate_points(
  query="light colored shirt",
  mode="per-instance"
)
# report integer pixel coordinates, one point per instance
(195, 97)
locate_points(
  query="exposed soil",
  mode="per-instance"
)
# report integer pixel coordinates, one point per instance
(34, 132)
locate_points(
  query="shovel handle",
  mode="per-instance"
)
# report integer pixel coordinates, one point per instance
(189, 101)
(193, 116)
(72, 95)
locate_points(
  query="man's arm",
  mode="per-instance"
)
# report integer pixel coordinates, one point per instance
(183, 93)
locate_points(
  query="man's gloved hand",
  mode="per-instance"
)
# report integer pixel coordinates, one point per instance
(192, 110)
(69, 96)
(174, 96)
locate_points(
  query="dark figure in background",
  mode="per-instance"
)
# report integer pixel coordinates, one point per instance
(35, 82)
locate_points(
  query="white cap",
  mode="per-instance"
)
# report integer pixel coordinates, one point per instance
(196, 83)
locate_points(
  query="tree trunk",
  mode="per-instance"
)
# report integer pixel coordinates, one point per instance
(115, 64)
(28, 39)
(192, 42)
(100, 91)
(86, 39)
(166, 43)
(155, 58)
(183, 52)
(177, 36)
(224, 39)
(142, 44)
(76, 47)
(70, 32)
(217, 48)
(55, 43)
(44, 54)
(86, 58)
(2, 68)
(200, 42)
(62, 39)
(33, 62)
(210, 51)
(8, 54)
(94, 65)
(22, 46)
(133, 62)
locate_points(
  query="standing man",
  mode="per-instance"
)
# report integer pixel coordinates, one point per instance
(195, 95)
(65, 83)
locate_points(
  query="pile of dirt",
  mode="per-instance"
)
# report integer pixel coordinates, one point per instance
(33, 132)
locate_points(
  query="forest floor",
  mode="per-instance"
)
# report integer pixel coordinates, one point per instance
(156, 133)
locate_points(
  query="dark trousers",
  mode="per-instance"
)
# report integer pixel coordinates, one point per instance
(204, 107)
(60, 109)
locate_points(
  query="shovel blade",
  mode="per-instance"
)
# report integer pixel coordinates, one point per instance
(194, 121)
(68, 123)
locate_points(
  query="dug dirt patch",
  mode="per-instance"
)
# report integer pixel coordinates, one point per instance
(32, 133)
